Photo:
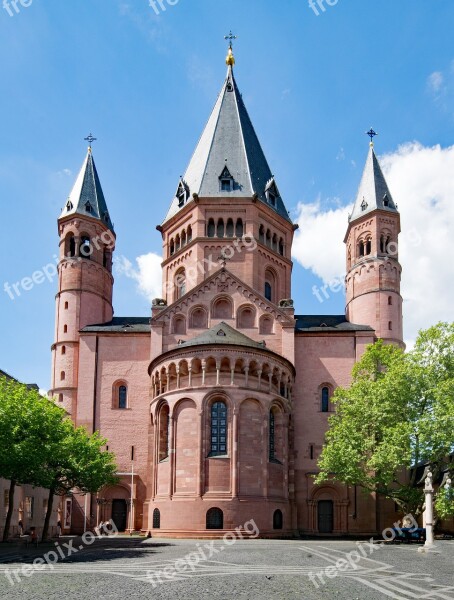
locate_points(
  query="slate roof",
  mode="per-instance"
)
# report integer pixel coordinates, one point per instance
(86, 197)
(373, 190)
(228, 140)
(326, 323)
(222, 334)
(121, 325)
(31, 386)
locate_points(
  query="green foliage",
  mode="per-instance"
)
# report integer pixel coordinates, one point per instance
(40, 446)
(444, 503)
(397, 413)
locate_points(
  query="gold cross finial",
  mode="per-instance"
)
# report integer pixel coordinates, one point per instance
(230, 60)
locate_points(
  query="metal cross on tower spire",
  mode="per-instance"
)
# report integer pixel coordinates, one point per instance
(230, 37)
(90, 139)
(371, 133)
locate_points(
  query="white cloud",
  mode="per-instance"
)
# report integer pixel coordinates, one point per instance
(318, 242)
(435, 81)
(421, 180)
(147, 273)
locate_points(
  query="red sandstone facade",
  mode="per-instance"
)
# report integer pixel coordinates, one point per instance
(216, 405)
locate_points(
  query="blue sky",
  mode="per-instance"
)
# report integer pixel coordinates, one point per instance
(145, 85)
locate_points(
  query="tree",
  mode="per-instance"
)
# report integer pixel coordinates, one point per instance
(397, 413)
(40, 446)
(78, 461)
(28, 422)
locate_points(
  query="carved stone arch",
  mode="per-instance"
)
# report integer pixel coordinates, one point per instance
(266, 324)
(179, 324)
(246, 316)
(198, 317)
(256, 401)
(176, 409)
(222, 307)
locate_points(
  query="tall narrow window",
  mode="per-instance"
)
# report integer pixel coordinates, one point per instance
(272, 447)
(189, 234)
(325, 399)
(218, 429)
(164, 431)
(156, 519)
(122, 396)
(281, 247)
(229, 228)
(180, 284)
(85, 247)
(268, 291)
(211, 228)
(262, 234)
(70, 249)
(239, 229)
(220, 228)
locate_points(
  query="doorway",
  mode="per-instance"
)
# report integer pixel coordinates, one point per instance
(119, 511)
(325, 516)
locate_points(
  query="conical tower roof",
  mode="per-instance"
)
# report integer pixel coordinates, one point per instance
(373, 192)
(86, 197)
(228, 150)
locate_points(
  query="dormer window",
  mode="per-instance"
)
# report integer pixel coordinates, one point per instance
(386, 201)
(364, 204)
(271, 192)
(226, 180)
(182, 193)
(106, 217)
(88, 207)
(69, 205)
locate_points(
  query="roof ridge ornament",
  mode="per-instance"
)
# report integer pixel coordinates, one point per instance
(230, 59)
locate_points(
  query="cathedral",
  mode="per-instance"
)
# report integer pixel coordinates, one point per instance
(216, 404)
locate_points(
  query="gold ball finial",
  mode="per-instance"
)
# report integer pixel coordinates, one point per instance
(230, 59)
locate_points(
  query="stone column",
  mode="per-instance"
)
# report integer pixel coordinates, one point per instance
(428, 513)
(171, 454)
(235, 453)
(232, 376)
(190, 376)
(218, 372)
(204, 366)
(178, 378)
(200, 463)
(270, 381)
(246, 374)
(259, 375)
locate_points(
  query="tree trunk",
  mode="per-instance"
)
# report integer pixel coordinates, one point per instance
(48, 514)
(9, 514)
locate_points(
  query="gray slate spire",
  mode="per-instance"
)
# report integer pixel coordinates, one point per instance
(228, 147)
(86, 197)
(373, 192)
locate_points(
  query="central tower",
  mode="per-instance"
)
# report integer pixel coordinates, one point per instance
(228, 204)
